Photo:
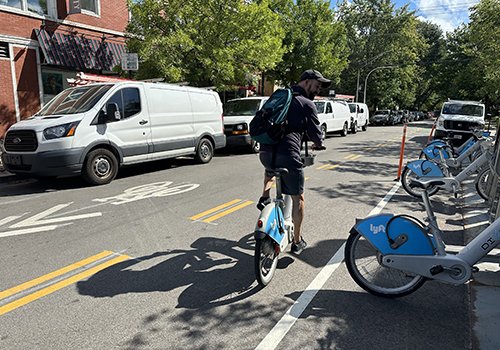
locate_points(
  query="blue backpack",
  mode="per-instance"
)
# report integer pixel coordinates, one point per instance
(268, 125)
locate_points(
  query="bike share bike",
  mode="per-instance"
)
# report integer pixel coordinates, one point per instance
(481, 151)
(274, 230)
(393, 255)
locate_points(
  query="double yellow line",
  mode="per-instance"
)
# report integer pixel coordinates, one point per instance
(56, 286)
(207, 217)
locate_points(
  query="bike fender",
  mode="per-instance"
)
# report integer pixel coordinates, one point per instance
(269, 218)
(409, 238)
(433, 152)
(425, 168)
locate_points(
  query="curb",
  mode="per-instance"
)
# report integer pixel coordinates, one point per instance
(485, 284)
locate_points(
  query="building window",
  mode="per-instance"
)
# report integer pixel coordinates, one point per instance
(4, 50)
(90, 6)
(40, 7)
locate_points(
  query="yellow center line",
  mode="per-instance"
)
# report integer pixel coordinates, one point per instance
(215, 209)
(359, 155)
(366, 149)
(334, 166)
(373, 149)
(51, 275)
(349, 156)
(229, 211)
(43, 292)
(323, 166)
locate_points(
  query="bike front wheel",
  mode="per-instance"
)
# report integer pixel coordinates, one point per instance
(265, 260)
(363, 263)
(406, 178)
(483, 183)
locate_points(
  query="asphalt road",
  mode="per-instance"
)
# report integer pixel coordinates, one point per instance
(162, 258)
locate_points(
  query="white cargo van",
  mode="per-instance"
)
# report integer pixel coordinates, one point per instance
(333, 116)
(359, 113)
(459, 117)
(238, 114)
(95, 129)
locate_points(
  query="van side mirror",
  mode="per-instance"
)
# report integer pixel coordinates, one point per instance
(361, 110)
(113, 112)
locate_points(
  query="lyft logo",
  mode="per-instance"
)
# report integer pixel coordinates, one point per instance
(377, 229)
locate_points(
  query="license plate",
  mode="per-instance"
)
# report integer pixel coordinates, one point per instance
(457, 136)
(13, 159)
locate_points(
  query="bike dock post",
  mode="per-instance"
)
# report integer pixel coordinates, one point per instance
(494, 184)
(401, 154)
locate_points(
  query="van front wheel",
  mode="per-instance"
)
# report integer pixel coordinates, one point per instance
(205, 151)
(100, 167)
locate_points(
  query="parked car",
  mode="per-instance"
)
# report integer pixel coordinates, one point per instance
(237, 116)
(359, 113)
(398, 117)
(460, 117)
(94, 129)
(333, 116)
(382, 117)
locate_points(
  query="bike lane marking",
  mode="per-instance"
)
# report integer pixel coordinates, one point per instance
(274, 337)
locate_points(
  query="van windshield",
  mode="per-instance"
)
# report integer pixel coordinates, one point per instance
(352, 107)
(241, 107)
(457, 108)
(75, 100)
(320, 107)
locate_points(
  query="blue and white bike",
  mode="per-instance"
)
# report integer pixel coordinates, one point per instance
(393, 255)
(274, 230)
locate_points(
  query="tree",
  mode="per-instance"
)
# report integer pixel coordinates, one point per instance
(204, 42)
(313, 40)
(381, 35)
(484, 28)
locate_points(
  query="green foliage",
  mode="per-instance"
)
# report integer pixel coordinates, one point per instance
(380, 35)
(313, 40)
(204, 42)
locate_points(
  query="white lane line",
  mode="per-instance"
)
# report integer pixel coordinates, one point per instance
(279, 331)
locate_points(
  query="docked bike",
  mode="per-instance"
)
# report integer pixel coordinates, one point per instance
(274, 229)
(392, 255)
(440, 151)
(427, 169)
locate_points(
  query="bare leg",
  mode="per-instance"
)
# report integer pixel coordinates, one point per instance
(298, 212)
(268, 183)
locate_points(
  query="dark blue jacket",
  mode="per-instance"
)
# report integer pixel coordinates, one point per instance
(302, 117)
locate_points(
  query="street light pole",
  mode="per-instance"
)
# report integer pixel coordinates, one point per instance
(365, 63)
(370, 72)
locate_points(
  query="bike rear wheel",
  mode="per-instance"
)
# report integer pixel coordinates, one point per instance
(363, 263)
(265, 260)
(406, 177)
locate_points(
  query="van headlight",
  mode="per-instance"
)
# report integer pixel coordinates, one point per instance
(240, 128)
(440, 122)
(59, 131)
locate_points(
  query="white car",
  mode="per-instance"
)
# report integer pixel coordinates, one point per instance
(359, 113)
(334, 116)
(238, 114)
(459, 118)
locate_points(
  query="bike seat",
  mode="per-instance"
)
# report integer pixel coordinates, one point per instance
(441, 146)
(278, 171)
(426, 183)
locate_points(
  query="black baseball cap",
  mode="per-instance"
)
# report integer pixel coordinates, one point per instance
(314, 74)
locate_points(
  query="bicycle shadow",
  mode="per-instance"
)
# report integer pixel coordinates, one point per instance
(215, 272)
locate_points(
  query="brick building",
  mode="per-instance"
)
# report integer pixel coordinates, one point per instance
(44, 42)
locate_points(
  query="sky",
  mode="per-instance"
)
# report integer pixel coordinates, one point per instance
(448, 14)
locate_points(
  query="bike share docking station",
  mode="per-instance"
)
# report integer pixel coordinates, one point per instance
(493, 183)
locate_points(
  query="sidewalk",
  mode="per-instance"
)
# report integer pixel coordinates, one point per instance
(485, 284)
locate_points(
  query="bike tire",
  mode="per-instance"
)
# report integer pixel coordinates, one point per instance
(265, 260)
(406, 177)
(483, 183)
(362, 261)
